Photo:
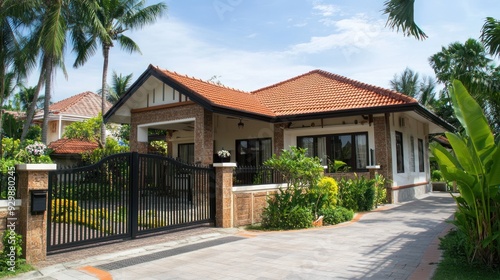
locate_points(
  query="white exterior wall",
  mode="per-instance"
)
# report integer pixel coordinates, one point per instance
(226, 132)
(418, 130)
(160, 94)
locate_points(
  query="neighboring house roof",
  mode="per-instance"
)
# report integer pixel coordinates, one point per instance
(16, 114)
(86, 104)
(316, 94)
(71, 146)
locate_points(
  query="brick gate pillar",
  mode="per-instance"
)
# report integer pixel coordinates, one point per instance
(224, 194)
(33, 226)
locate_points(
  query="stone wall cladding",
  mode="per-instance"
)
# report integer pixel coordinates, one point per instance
(248, 207)
(242, 209)
(33, 228)
(203, 128)
(3, 224)
(259, 203)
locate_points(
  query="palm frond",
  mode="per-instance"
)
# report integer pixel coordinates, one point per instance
(401, 16)
(127, 44)
(490, 36)
(145, 16)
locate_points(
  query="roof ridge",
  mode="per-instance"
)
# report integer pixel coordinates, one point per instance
(380, 90)
(200, 80)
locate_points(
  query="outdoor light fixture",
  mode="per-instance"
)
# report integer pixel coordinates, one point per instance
(241, 124)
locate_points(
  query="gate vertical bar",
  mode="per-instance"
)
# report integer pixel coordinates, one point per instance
(134, 194)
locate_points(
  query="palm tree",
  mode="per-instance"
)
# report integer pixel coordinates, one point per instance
(119, 86)
(55, 19)
(116, 17)
(13, 14)
(469, 63)
(401, 15)
(490, 36)
(410, 83)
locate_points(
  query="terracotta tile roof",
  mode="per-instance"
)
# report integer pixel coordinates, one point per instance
(220, 95)
(317, 91)
(86, 104)
(16, 114)
(320, 91)
(71, 146)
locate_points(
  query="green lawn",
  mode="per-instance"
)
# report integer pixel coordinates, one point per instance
(454, 264)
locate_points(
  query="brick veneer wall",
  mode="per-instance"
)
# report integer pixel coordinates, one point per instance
(203, 135)
(383, 148)
(279, 135)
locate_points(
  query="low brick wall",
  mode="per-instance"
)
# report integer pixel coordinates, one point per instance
(249, 202)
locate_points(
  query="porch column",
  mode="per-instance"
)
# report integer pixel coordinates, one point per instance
(224, 194)
(383, 148)
(203, 138)
(279, 141)
(33, 225)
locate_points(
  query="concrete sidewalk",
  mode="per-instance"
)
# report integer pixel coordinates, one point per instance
(393, 242)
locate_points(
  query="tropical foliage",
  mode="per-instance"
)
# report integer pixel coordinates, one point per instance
(309, 195)
(296, 205)
(490, 35)
(88, 130)
(410, 83)
(297, 168)
(114, 18)
(474, 165)
(401, 15)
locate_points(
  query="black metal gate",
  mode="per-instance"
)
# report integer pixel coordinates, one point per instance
(125, 195)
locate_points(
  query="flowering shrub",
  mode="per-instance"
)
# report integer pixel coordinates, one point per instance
(223, 153)
(34, 153)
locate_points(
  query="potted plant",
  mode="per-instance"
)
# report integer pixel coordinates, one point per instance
(438, 183)
(224, 155)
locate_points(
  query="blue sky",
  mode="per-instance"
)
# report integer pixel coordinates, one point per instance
(249, 44)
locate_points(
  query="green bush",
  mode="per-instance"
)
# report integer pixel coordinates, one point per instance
(88, 191)
(357, 194)
(10, 257)
(380, 188)
(291, 207)
(336, 215)
(275, 216)
(437, 176)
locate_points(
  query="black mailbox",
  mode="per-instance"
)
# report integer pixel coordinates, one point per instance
(38, 202)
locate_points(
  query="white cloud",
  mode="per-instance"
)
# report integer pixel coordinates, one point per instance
(325, 10)
(357, 32)
(173, 45)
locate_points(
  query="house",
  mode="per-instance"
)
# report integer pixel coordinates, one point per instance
(334, 117)
(76, 108)
(68, 152)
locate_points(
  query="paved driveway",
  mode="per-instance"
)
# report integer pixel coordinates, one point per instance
(385, 244)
